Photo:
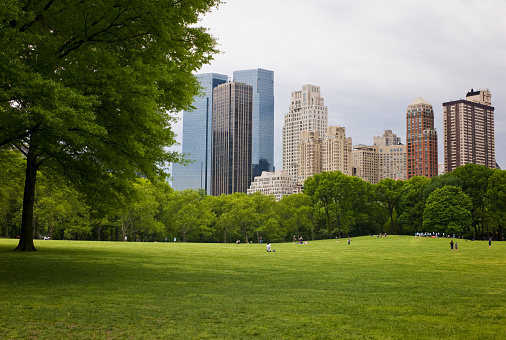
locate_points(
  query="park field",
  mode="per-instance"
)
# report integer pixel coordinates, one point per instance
(398, 287)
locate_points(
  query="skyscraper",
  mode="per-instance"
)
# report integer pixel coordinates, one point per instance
(421, 139)
(307, 112)
(262, 152)
(197, 138)
(469, 131)
(231, 151)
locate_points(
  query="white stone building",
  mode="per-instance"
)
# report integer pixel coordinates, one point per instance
(307, 112)
(278, 183)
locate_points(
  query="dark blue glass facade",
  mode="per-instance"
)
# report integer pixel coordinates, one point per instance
(197, 138)
(263, 117)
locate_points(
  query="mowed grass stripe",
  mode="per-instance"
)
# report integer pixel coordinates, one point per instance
(380, 288)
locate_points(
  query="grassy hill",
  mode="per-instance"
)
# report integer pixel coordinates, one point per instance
(398, 287)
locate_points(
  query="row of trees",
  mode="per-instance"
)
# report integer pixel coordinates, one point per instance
(471, 201)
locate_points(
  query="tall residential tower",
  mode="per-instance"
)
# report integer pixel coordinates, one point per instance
(469, 131)
(307, 112)
(421, 139)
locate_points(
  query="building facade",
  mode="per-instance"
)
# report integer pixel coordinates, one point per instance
(262, 149)
(307, 112)
(337, 151)
(231, 138)
(388, 138)
(365, 163)
(278, 184)
(310, 155)
(469, 131)
(391, 156)
(197, 138)
(421, 140)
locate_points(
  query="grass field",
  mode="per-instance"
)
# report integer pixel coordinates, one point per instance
(387, 288)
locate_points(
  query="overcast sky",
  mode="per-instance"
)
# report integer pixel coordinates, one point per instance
(371, 58)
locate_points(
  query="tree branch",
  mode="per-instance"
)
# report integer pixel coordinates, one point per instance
(21, 135)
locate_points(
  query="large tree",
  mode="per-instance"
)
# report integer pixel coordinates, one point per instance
(388, 193)
(295, 214)
(87, 89)
(448, 210)
(412, 204)
(496, 202)
(191, 214)
(475, 184)
(335, 193)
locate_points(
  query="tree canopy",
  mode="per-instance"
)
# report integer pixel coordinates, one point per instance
(448, 210)
(87, 89)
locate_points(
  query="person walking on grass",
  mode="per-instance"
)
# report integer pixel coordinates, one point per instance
(268, 247)
(451, 244)
(489, 242)
(456, 246)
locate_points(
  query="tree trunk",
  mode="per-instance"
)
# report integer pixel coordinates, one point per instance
(327, 215)
(26, 235)
(391, 212)
(339, 225)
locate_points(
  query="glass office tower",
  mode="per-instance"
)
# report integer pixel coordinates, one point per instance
(197, 138)
(231, 151)
(263, 117)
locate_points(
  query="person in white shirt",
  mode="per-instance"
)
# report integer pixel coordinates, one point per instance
(268, 246)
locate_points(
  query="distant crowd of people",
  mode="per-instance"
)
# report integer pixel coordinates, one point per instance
(435, 235)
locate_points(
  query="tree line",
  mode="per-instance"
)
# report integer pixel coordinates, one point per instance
(469, 202)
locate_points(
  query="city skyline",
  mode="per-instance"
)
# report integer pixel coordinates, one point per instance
(370, 59)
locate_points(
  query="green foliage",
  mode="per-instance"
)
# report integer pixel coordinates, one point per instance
(495, 202)
(11, 188)
(475, 184)
(295, 214)
(412, 204)
(60, 211)
(138, 214)
(388, 192)
(190, 214)
(448, 210)
(88, 89)
(344, 199)
(153, 211)
(441, 181)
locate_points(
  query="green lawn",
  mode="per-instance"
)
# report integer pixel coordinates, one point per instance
(387, 288)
